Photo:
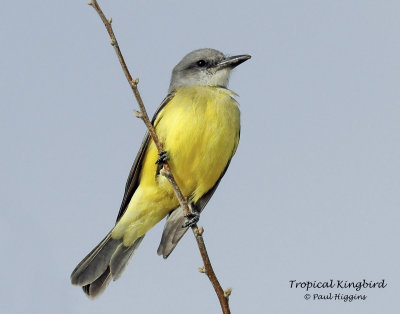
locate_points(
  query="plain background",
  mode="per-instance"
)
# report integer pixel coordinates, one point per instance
(312, 193)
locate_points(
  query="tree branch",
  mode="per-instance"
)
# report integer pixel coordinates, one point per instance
(223, 296)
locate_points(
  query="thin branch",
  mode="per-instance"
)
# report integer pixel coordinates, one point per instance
(223, 296)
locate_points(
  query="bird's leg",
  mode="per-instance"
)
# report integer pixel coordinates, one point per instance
(161, 161)
(163, 158)
(192, 218)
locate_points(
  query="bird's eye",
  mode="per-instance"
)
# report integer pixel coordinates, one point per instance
(201, 63)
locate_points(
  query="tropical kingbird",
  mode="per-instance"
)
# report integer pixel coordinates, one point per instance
(199, 125)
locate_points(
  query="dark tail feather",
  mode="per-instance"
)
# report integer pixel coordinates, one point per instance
(121, 257)
(105, 262)
(95, 263)
(97, 287)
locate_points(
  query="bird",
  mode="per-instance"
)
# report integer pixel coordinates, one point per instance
(198, 123)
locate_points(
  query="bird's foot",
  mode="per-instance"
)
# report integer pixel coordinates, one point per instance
(163, 158)
(191, 219)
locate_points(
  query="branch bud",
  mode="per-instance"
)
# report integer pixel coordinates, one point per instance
(138, 114)
(202, 269)
(227, 292)
(200, 231)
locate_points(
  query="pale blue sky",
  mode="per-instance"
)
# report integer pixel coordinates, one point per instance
(312, 193)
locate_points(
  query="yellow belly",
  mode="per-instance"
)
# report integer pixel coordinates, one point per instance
(199, 128)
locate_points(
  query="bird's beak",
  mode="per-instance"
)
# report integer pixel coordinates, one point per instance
(231, 62)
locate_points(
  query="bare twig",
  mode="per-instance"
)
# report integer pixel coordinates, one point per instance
(166, 171)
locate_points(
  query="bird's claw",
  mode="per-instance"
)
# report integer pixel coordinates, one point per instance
(191, 219)
(162, 159)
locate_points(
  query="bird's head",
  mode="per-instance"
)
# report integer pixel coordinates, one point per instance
(207, 67)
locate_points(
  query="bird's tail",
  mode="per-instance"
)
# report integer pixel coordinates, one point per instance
(105, 262)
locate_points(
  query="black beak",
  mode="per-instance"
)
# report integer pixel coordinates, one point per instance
(232, 62)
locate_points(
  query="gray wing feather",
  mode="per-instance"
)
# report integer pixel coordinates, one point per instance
(172, 233)
(173, 230)
(133, 179)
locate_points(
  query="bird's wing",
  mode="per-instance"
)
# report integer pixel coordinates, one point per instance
(133, 178)
(173, 230)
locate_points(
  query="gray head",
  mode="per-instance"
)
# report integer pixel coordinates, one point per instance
(207, 67)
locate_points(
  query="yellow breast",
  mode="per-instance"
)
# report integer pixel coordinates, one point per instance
(200, 131)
